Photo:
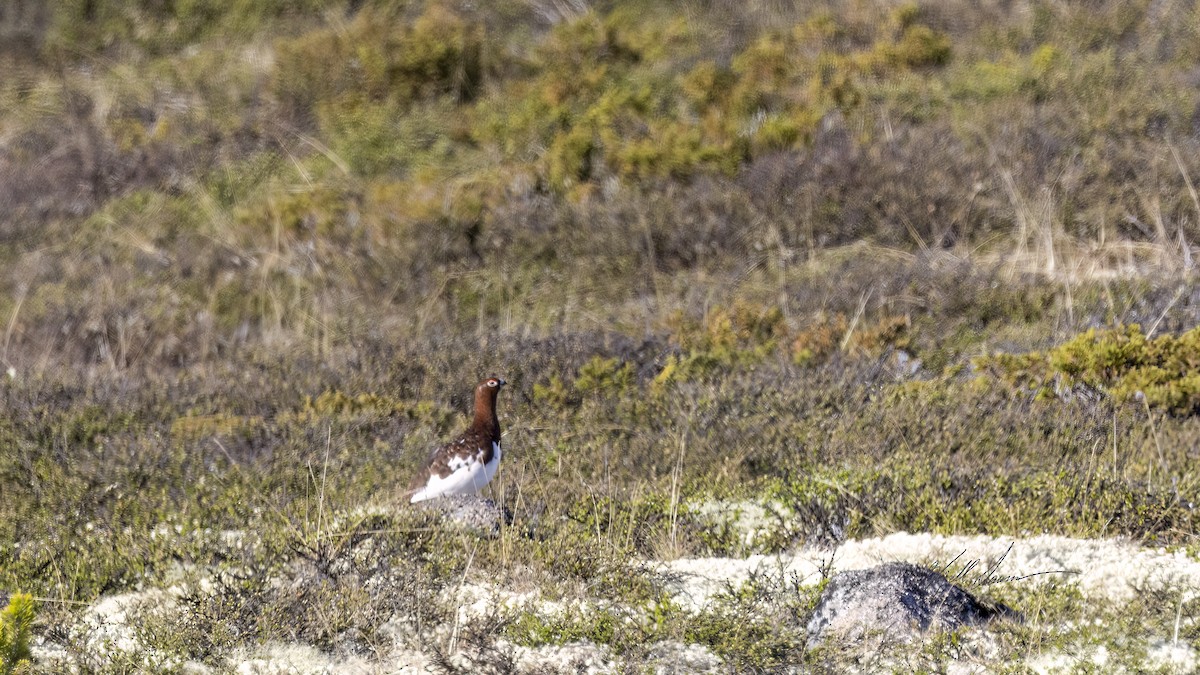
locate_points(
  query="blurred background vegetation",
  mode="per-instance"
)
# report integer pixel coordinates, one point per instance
(180, 180)
(242, 239)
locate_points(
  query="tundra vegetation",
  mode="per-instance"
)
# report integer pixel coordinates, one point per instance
(885, 267)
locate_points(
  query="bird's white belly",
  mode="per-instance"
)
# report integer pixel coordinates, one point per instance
(467, 477)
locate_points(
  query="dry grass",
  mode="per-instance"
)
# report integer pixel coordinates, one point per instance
(251, 254)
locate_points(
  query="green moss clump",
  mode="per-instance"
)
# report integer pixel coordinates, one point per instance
(599, 377)
(381, 57)
(743, 333)
(600, 626)
(1035, 75)
(338, 404)
(193, 427)
(741, 630)
(604, 376)
(918, 46)
(1121, 362)
(16, 625)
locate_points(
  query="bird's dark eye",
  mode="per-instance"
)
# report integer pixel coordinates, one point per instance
(492, 383)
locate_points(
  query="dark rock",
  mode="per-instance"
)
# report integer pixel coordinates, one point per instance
(894, 602)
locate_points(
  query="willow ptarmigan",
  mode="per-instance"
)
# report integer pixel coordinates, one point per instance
(463, 466)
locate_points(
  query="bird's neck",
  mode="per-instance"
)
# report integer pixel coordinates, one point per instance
(485, 417)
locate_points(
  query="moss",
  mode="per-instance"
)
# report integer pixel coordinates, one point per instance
(726, 335)
(818, 340)
(1035, 75)
(192, 427)
(1121, 362)
(599, 626)
(918, 46)
(601, 376)
(16, 627)
(337, 404)
(380, 56)
(757, 625)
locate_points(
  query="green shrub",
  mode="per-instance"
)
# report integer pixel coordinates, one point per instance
(919, 46)
(757, 625)
(598, 625)
(706, 84)
(571, 157)
(16, 625)
(1122, 362)
(79, 28)
(1035, 75)
(604, 376)
(380, 56)
(820, 338)
(763, 72)
(673, 150)
(740, 334)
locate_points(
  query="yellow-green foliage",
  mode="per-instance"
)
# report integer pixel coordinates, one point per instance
(338, 404)
(554, 391)
(677, 150)
(381, 56)
(604, 376)
(16, 624)
(598, 377)
(917, 46)
(705, 85)
(741, 334)
(600, 110)
(381, 138)
(764, 72)
(743, 331)
(193, 427)
(407, 213)
(1123, 362)
(303, 215)
(817, 340)
(79, 27)
(601, 626)
(1035, 74)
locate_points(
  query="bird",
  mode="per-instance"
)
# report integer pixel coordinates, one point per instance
(466, 464)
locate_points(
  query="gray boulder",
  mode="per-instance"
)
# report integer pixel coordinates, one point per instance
(894, 602)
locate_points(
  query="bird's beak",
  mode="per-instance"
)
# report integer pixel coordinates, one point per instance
(503, 382)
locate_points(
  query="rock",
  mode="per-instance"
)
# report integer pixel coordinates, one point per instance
(672, 658)
(470, 512)
(894, 603)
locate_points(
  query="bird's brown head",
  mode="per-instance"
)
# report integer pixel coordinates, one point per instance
(489, 387)
(485, 402)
